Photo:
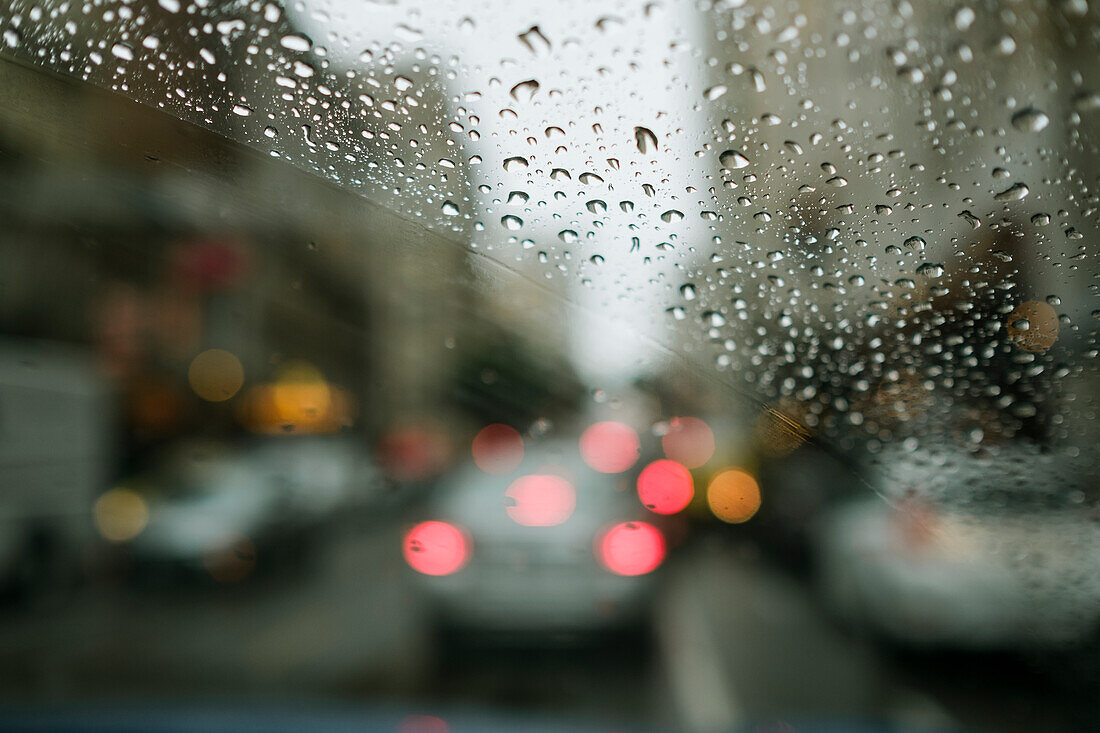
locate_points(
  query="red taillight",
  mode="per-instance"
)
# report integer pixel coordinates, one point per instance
(436, 548)
(631, 548)
(665, 487)
(609, 447)
(540, 501)
(498, 449)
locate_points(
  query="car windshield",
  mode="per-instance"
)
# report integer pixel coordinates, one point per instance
(696, 365)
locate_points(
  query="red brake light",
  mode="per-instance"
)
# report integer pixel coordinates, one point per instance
(631, 548)
(609, 447)
(540, 500)
(665, 487)
(498, 449)
(436, 548)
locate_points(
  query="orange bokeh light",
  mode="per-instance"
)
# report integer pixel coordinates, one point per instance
(733, 496)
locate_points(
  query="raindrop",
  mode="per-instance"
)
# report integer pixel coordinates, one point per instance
(1087, 101)
(714, 92)
(407, 32)
(1013, 193)
(1040, 219)
(511, 222)
(293, 42)
(534, 40)
(733, 159)
(568, 236)
(838, 181)
(449, 208)
(687, 291)
(930, 270)
(964, 18)
(970, 219)
(240, 109)
(915, 242)
(524, 91)
(1030, 120)
(122, 51)
(588, 178)
(515, 163)
(517, 197)
(596, 206)
(672, 215)
(646, 140)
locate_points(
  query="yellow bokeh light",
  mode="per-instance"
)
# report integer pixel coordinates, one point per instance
(120, 514)
(733, 496)
(215, 375)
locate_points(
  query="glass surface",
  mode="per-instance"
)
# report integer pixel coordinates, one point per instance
(450, 365)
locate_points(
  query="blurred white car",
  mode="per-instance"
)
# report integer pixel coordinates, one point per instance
(208, 504)
(551, 546)
(969, 551)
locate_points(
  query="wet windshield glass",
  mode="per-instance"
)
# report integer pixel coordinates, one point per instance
(429, 333)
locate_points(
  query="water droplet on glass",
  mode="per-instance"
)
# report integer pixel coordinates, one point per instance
(1087, 101)
(714, 92)
(915, 242)
(1040, 219)
(122, 51)
(687, 291)
(517, 198)
(964, 18)
(294, 42)
(645, 139)
(672, 215)
(970, 219)
(524, 91)
(534, 40)
(1013, 193)
(596, 206)
(511, 222)
(515, 163)
(1030, 120)
(449, 208)
(568, 236)
(733, 159)
(930, 270)
(241, 110)
(407, 33)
